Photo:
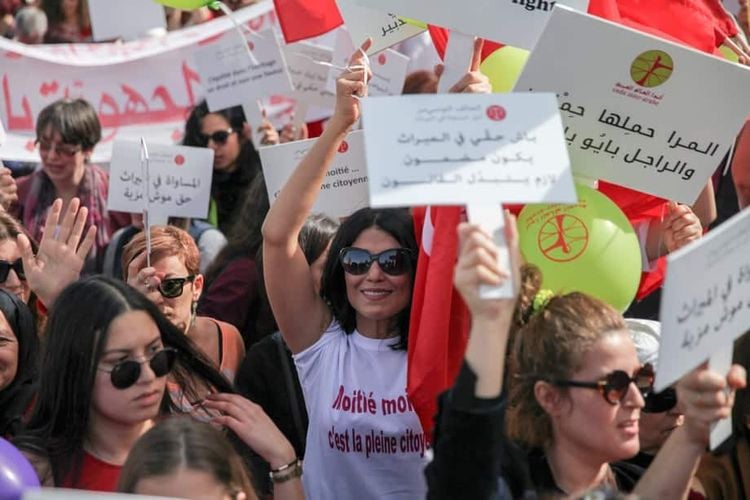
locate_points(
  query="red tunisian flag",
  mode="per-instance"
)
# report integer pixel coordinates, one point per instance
(302, 19)
(439, 324)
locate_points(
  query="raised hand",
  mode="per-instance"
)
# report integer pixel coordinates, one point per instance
(351, 85)
(268, 134)
(253, 426)
(680, 227)
(290, 133)
(8, 188)
(142, 278)
(62, 253)
(477, 265)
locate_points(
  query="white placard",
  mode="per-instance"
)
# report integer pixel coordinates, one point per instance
(705, 302)
(126, 20)
(231, 78)
(645, 116)
(70, 494)
(511, 22)
(344, 190)
(308, 76)
(456, 149)
(388, 68)
(180, 180)
(385, 29)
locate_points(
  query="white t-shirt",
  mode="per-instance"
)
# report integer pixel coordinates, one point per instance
(364, 440)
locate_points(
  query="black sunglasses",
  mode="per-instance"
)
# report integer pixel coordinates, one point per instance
(614, 386)
(395, 261)
(219, 137)
(6, 266)
(661, 402)
(173, 287)
(126, 373)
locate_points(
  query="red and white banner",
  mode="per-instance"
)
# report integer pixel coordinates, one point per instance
(141, 88)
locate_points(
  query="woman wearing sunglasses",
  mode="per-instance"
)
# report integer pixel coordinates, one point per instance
(349, 342)
(66, 133)
(236, 162)
(174, 284)
(576, 393)
(12, 277)
(103, 382)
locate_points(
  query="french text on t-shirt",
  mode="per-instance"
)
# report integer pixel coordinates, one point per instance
(359, 401)
(375, 442)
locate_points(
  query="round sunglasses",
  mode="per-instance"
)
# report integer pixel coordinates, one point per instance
(614, 386)
(173, 287)
(219, 137)
(126, 373)
(394, 261)
(6, 266)
(661, 402)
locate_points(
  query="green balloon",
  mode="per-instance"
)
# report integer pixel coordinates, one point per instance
(590, 247)
(503, 67)
(185, 4)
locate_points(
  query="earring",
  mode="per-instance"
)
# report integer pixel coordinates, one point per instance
(193, 312)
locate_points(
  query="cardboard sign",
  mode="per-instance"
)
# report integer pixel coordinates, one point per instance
(648, 115)
(705, 302)
(180, 180)
(308, 76)
(126, 20)
(344, 190)
(388, 68)
(385, 29)
(231, 78)
(455, 149)
(511, 22)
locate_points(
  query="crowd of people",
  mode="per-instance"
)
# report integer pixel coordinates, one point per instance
(262, 352)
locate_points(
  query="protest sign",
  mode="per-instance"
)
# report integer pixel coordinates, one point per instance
(231, 78)
(71, 494)
(141, 88)
(455, 149)
(388, 68)
(705, 302)
(180, 180)
(649, 115)
(125, 20)
(385, 29)
(308, 75)
(511, 22)
(344, 189)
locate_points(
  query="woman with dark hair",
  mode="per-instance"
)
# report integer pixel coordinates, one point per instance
(66, 132)
(19, 361)
(349, 342)
(12, 277)
(571, 415)
(68, 21)
(183, 458)
(103, 382)
(236, 161)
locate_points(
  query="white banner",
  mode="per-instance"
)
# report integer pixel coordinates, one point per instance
(142, 88)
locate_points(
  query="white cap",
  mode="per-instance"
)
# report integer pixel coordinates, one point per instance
(646, 335)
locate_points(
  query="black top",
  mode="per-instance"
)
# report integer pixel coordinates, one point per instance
(473, 458)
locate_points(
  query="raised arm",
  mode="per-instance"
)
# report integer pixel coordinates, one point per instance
(706, 397)
(301, 314)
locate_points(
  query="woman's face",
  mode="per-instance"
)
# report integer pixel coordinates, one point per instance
(225, 154)
(586, 422)
(63, 163)
(178, 309)
(655, 428)
(375, 295)
(8, 353)
(69, 8)
(10, 253)
(185, 483)
(132, 336)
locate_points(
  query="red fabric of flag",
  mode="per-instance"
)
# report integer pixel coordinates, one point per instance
(439, 323)
(302, 19)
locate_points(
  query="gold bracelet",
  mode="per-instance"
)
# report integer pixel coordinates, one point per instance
(286, 472)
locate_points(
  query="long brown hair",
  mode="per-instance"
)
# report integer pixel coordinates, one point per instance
(549, 344)
(183, 442)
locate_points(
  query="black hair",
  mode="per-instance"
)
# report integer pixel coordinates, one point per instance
(17, 395)
(193, 136)
(75, 119)
(395, 221)
(77, 332)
